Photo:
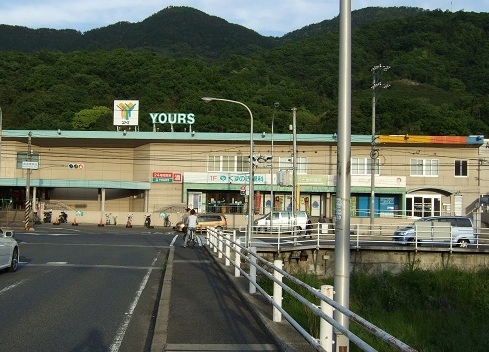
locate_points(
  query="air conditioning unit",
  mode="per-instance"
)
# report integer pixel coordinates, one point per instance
(284, 178)
(281, 178)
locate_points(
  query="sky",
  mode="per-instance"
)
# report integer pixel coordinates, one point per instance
(267, 17)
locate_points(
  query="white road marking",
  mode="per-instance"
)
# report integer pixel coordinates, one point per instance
(173, 240)
(8, 288)
(119, 336)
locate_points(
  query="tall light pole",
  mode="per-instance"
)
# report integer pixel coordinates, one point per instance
(342, 267)
(251, 195)
(374, 152)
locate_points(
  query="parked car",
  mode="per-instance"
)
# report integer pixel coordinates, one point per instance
(282, 221)
(438, 229)
(9, 250)
(218, 221)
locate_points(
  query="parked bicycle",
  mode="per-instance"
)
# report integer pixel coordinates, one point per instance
(147, 221)
(63, 218)
(166, 221)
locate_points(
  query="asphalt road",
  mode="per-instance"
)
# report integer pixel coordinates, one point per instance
(83, 289)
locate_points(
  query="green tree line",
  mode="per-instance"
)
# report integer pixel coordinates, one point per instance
(439, 80)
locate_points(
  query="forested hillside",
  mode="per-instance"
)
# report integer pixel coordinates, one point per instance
(439, 74)
(174, 31)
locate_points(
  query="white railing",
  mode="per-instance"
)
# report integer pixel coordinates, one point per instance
(228, 247)
(322, 235)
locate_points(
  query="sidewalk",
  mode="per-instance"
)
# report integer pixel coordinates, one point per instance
(203, 309)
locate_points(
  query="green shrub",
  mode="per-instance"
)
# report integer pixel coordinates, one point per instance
(433, 311)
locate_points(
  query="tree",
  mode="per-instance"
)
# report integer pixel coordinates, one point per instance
(88, 119)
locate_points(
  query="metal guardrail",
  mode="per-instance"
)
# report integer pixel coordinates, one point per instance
(232, 250)
(322, 235)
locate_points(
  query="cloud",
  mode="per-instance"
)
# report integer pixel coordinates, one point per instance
(81, 15)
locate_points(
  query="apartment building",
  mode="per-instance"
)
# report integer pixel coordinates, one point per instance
(99, 172)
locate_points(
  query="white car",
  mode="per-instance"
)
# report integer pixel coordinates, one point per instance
(9, 250)
(456, 229)
(282, 221)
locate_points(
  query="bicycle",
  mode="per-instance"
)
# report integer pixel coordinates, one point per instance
(167, 222)
(191, 239)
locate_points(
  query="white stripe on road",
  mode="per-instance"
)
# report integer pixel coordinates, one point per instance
(8, 288)
(119, 336)
(173, 241)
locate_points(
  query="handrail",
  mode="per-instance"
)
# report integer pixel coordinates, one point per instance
(361, 235)
(229, 247)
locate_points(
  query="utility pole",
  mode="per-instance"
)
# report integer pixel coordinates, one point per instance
(272, 198)
(294, 162)
(374, 152)
(1, 133)
(27, 216)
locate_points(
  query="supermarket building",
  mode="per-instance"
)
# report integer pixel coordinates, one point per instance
(94, 175)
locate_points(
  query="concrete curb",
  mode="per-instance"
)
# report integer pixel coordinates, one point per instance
(158, 344)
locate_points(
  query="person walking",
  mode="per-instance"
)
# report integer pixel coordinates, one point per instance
(191, 226)
(184, 220)
(323, 228)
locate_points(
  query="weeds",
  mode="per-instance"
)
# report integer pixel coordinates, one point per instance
(443, 310)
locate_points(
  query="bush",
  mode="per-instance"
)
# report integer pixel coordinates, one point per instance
(433, 311)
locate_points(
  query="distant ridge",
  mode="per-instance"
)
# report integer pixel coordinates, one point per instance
(178, 31)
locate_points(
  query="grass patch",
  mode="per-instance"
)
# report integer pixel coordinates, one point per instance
(431, 311)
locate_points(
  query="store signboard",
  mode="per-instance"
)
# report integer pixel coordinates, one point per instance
(33, 165)
(166, 177)
(172, 118)
(126, 112)
(234, 178)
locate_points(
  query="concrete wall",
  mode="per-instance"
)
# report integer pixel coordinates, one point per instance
(374, 261)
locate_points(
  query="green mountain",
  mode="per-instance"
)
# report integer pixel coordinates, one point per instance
(359, 18)
(175, 31)
(439, 73)
(180, 31)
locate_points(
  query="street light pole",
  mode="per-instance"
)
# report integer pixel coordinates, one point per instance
(342, 266)
(374, 152)
(251, 195)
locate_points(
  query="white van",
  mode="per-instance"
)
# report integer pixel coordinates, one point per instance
(282, 221)
(436, 229)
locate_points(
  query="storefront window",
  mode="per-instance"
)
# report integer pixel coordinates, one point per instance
(225, 202)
